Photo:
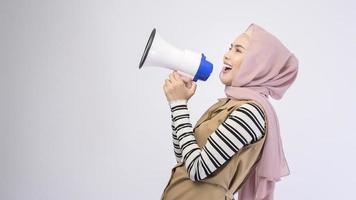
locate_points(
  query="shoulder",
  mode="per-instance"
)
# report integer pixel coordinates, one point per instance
(252, 107)
(250, 115)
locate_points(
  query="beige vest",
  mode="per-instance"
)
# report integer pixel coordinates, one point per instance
(225, 181)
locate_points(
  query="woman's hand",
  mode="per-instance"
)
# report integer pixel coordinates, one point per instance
(177, 88)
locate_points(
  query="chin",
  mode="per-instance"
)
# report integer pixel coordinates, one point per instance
(225, 78)
(225, 82)
(222, 80)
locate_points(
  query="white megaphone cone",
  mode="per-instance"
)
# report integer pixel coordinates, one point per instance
(159, 53)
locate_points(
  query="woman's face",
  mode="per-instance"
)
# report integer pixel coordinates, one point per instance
(234, 57)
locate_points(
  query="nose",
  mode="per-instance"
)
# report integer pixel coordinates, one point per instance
(227, 56)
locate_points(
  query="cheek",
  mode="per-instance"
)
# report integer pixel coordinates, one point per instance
(232, 74)
(237, 62)
(235, 71)
(237, 65)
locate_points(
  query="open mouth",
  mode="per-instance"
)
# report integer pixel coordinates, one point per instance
(227, 68)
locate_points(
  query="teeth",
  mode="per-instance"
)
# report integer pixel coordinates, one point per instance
(227, 66)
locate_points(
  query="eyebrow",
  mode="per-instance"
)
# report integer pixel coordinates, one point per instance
(237, 45)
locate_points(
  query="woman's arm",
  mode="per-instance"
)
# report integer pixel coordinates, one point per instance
(242, 127)
(176, 147)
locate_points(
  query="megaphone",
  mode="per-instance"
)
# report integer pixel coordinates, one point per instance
(159, 53)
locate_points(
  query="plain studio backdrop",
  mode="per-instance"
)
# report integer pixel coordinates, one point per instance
(79, 120)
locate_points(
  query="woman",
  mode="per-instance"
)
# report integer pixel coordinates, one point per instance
(235, 146)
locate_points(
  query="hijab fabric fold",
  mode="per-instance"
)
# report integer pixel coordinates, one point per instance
(268, 69)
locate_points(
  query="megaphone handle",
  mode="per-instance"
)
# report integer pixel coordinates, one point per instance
(186, 79)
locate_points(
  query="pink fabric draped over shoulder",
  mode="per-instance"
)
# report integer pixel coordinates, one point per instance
(268, 69)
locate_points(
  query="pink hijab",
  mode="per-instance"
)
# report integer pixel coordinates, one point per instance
(268, 69)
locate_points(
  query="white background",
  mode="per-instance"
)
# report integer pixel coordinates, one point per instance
(79, 120)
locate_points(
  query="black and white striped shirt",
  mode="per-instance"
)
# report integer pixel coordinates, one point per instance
(245, 125)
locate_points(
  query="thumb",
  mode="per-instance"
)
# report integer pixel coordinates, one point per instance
(193, 88)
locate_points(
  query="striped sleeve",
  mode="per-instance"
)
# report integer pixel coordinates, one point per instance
(176, 147)
(244, 126)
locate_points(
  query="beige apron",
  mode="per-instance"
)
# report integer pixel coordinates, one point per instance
(225, 181)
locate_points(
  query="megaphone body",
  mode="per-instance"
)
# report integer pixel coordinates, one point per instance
(159, 53)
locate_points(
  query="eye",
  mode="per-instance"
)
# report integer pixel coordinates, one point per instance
(236, 49)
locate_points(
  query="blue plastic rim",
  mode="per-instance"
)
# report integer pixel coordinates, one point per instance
(204, 70)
